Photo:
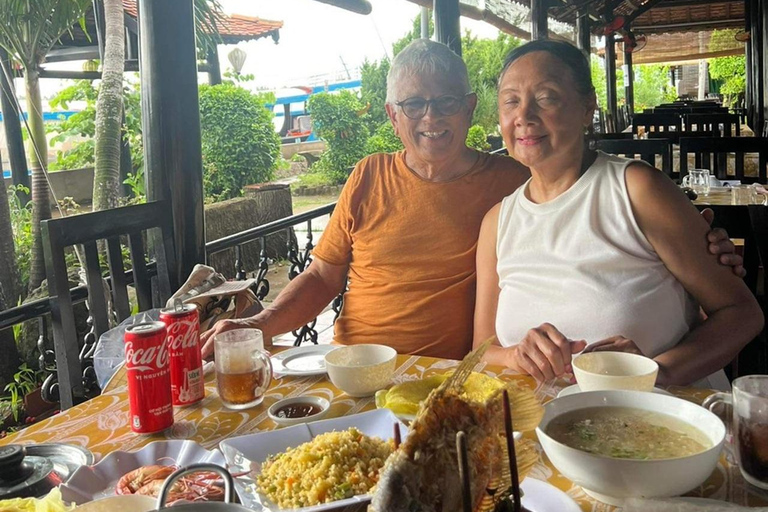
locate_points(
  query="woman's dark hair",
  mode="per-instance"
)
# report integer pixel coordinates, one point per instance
(563, 50)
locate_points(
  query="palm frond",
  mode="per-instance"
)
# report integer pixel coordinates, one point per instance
(31, 27)
(208, 17)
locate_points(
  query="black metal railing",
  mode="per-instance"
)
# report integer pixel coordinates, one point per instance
(299, 258)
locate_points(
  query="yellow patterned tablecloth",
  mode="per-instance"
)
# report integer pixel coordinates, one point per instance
(101, 424)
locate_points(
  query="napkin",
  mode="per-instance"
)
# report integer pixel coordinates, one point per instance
(684, 505)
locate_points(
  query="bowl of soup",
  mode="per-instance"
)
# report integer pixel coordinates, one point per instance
(623, 444)
(614, 370)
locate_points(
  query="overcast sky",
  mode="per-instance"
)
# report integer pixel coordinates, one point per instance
(316, 37)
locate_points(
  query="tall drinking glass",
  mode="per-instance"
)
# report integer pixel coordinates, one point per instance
(243, 368)
(698, 180)
(749, 402)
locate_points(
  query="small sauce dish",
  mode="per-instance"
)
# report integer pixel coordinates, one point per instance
(300, 409)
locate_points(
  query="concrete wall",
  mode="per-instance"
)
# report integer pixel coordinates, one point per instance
(288, 150)
(75, 183)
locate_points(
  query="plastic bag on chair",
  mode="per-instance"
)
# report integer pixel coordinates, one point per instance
(110, 352)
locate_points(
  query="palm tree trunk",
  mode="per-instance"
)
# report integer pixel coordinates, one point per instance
(109, 109)
(38, 160)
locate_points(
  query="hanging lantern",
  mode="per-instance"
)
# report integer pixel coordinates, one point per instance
(91, 65)
(237, 59)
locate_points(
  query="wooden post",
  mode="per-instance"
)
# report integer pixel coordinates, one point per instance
(214, 68)
(583, 36)
(447, 29)
(610, 77)
(424, 22)
(539, 28)
(629, 81)
(171, 123)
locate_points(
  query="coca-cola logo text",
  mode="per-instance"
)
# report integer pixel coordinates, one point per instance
(182, 335)
(146, 359)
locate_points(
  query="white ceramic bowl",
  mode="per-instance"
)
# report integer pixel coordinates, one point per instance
(614, 370)
(322, 403)
(609, 479)
(361, 370)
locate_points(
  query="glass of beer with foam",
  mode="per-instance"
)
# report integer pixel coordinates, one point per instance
(243, 369)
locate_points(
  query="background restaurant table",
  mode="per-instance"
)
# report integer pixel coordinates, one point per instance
(101, 424)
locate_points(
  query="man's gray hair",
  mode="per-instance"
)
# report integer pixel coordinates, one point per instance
(425, 57)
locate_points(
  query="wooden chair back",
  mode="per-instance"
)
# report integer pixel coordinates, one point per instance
(74, 379)
(713, 122)
(646, 149)
(704, 148)
(657, 125)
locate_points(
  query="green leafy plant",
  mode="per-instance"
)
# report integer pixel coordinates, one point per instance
(80, 128)
(485, 58)
(239, 142)
(137, 185)
(21, 222)
(24, 382)
(383, 140)
(373, 92)
(477, 138)
(338, 119)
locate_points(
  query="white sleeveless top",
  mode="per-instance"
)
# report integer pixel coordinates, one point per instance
(581, 263)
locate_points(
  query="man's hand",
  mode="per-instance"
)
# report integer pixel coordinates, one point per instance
(614, 344)
(544, 353)
(720, 244)
(206, 338)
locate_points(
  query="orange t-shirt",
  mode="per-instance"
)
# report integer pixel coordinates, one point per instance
(410, 245)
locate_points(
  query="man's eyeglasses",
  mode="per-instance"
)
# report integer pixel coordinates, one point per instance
(416, 108)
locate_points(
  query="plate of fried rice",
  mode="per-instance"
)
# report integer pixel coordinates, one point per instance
(313, 466)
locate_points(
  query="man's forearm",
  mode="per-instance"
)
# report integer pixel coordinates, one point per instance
(301, 301)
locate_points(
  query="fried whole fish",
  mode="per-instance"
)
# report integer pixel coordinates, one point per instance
(422, 474)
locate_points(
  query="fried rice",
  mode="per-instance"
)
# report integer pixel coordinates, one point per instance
(333, 466)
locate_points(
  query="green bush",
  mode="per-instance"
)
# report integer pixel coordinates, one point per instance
(239, 142)
(373, 91)
(337, 119)
(383, 140)
(477, 138)
(83, 124)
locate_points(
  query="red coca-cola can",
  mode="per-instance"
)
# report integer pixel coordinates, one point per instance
(149, 377)
(183, 327)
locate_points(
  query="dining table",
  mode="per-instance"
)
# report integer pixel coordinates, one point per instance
(101, 423)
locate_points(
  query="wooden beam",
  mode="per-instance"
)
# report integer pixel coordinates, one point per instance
(692, 25)
(73, 53)
(487, 16)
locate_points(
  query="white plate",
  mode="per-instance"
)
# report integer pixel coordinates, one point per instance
(98, 481)
(302, 361)
(572, 390)
(241, 451)
(540, 496)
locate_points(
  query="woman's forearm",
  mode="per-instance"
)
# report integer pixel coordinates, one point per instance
(711, 345)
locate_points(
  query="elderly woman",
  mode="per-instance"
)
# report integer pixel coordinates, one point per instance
(595, 250)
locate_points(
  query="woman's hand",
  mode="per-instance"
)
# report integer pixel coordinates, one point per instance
(544, 353)
(614, 344)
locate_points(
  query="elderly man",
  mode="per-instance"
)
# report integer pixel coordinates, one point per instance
(405, 228)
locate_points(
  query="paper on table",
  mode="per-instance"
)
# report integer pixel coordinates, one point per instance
(685, 505)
